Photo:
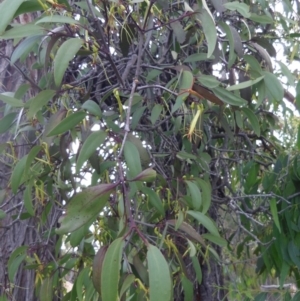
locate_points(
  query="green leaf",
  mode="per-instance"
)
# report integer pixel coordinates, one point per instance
(28, 6)
(2, 214)
(97, 268)
(15, 259)
(286, 72)
(205, 221)
(67, 124)
(179, 101)
(17, 174)
(160, 284)
(197, 57)
(186, 80)
(24, 48)
(206, 194)
(188, 288)
(197, 268)
(155, 113)
(143, 154)
(14, 102)
(126, 284)
(22, 31)
(262, 19)
(7, 121)
(253, 120)
(30, 158)
(189, 230)
(46, 290)
(228, 97)
(232, 56)
(208, 81)
(273, 207)
(273, 85)
(57, 19)
(8, 9)
(298, 138)
(209, 30)
(40, 100)
(84, 206)
(195, 194)
(132, 159)
(93, 141)
(63, 56)
(242, 8)
(261, 297)
(111, 267)
(178, 30)
(154, 199)
(92, 107)
(245, 84)
(147, 175)
(294, 253)
(215, 239)
(28, 204)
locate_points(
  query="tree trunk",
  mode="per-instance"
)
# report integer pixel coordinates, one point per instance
(14, 230)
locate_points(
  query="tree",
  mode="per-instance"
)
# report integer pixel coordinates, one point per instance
(145, 145)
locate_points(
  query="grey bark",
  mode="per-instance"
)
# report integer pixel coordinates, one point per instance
(15, 232)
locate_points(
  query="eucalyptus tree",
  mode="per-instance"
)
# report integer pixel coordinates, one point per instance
(146, 145)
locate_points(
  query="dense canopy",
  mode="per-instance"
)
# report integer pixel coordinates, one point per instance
(149, 150)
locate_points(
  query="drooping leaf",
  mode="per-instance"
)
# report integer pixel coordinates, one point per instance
(229, 97)
(178, 30)
(2, 214)
(57, 19)
(17, 174)
(245, 84)
(22, 31)
(28, 203)
(208, 81)
(143, 154)
(205, 221)
(92, 107)
(232, 56)
(147, 175)
(8, 9)
(155, 113)
(197, 57)
(206, 194)
(253, 120)
(67, 124)
(15, 259)
(274, 212)
(7, 121)
(63, 56)
(154, 199)
(273, 85)
(209, 29)
(189, 230)
(14, 102)
(126, 284)
(160, 284)
(84, 206)
(242, 8)
(195, 194)
(132, 158)
(97, 268)
(24, 48)
(111, 270)
(93, 141)
(36, 103)
(46, 290)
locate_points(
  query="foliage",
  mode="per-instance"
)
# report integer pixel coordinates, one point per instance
(165, 127)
